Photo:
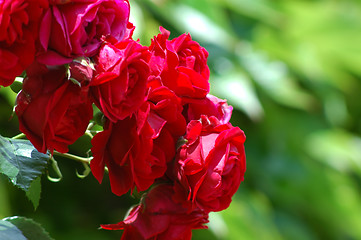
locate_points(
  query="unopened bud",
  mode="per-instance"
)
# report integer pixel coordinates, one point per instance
(81, 70)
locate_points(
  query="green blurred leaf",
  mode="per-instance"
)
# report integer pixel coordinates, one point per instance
(336, 148)
(318, 39)
(261, 10)
(249, 217)
(8, 231)
(291, 227)
(214, 11)
(274, 78)
(191, 18)
(30, 229)
(239, 92)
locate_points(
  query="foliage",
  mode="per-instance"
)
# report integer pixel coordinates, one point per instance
(9, 231)
(23, 165)
(25, 229)
(291, 71)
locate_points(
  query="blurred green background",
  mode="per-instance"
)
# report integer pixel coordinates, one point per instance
(292, 71)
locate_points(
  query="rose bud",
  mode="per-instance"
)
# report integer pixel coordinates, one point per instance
(82, 70)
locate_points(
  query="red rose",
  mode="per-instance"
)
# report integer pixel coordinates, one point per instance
(53, 112)
(168, 106)
(120, 85)
(210, 165)
(181, 63)
(74, 28)
(19, 23)
(129, 31)
(191, 55)
(209, 106)
(157, 217)
(126, 148)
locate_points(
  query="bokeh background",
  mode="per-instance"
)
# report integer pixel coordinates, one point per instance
(292, 71)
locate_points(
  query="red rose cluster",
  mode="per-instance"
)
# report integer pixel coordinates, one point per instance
(164, 134)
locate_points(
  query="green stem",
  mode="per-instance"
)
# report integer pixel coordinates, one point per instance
(88, 131)
(19, 136)
(89, 134)
(56, 168)
(93, 132)
(74, 157)
(86, 171)
(91, 125)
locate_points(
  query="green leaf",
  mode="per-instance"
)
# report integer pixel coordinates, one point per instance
(23, 165)
(21, 162)
(31, 229)
(17, 85)
(34, 191)
(6, 167)
(10, 231)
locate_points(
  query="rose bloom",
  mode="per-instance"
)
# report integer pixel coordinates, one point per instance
(157, 217)
(19, 23)
(120, 85)
(181, 64)
(53, 111)
(126, 148)
(210, 165)
(168, 106)
(74, 28)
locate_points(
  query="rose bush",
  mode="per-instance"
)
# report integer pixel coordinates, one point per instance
(210, 165)
(53, 111)
(19, 25)
(74, 28)
(160, 131)
(158, 217)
